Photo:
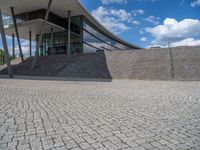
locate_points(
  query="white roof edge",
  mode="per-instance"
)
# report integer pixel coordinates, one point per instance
(93, 20)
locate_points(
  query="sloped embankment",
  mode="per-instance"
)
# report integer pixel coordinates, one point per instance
(153, 64)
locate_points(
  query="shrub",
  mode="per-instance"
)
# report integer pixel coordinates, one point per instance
(2, 57)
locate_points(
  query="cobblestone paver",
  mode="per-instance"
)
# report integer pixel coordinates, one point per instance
(128, 115)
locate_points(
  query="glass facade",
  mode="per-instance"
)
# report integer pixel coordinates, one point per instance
(60, 39)
(60, 43)
(92, 36)
(76, 35)
(85, 36)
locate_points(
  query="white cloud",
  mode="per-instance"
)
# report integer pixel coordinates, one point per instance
(147, 0)
(186, 42)
(172, 30)
(135, 22)
(138, 12)
(176, 32)
(24, 45)
(141, 32)
(114, 20)
(195, 3)
(25, 48)
(153, 19)
(106, 2)
(143, 39)
(121, 14)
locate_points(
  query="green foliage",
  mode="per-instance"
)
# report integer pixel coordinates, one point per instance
(2, 57)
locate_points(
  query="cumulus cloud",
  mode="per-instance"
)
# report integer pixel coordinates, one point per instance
(25, 48)
(138, 12)
(135, 22)
(114, 20)
(186, 42)
(121, 14)
(152, 19)
(147, 0)
(24, 45)
(195, 3)
(143, 39)
(106, 2)
(141, 32)
(176, 32)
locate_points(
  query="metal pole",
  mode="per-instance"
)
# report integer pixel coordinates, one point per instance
(69, 33)
(17, 33)
(30, 43)
(41, 35)
(5, 46)
(13, 46)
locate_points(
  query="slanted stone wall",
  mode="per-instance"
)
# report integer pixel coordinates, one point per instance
(152, 64)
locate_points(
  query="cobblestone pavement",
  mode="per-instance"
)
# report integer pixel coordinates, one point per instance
(99, 115)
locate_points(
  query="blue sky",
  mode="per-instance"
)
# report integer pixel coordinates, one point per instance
(150, 22)
(146, 23)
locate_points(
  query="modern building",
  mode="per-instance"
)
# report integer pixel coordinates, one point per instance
(58, 27)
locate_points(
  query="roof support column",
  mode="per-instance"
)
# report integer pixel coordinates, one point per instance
(13, 46)
(17, 33)
(41, 35)
(5, 46)
(52, 45)
(30, 43)
(69, 33)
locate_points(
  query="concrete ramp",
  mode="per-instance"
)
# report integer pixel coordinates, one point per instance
(152, 64)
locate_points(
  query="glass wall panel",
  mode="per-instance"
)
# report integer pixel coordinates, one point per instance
(77, 20)
(60, 43)
(96, 38)
(76, 34)
(90, 49)
(85, 37)
(76, 43)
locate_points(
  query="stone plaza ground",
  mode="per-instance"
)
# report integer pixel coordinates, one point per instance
(123, 114)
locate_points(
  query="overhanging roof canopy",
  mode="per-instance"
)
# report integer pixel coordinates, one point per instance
(60, 8)
(35, 27)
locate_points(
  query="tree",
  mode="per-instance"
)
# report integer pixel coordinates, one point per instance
(2, 57)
